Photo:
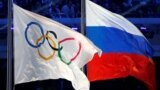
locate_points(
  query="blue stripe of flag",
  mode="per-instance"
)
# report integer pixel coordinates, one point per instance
(111, 39)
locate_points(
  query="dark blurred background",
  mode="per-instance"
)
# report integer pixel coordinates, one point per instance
(145, 14)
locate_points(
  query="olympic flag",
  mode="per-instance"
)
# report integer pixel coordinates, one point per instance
(45, 49)
(125, 50)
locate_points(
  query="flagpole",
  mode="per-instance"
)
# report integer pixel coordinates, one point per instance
(9, 84)
(83, 16)
(83, 25)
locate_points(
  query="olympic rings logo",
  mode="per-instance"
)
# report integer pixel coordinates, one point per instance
(51, 42)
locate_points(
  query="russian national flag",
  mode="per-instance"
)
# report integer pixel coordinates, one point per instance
(126, 52)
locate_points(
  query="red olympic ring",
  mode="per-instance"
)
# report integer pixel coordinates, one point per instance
(79, 49)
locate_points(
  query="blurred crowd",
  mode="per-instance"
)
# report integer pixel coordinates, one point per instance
(132, 8)
(53, 8)
(71, 8)
(3, 8)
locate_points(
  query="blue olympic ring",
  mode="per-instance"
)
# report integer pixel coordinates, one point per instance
(26, 36)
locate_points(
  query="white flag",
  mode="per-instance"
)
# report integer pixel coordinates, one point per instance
(45, 49)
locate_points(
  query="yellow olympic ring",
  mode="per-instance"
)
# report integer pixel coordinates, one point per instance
(54, 45)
